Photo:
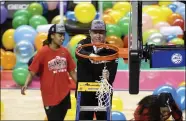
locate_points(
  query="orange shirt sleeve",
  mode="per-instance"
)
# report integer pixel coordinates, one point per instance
(70, 62)
(35, 65)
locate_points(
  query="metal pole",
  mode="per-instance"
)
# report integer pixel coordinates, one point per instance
(100, 9)
(61, 12)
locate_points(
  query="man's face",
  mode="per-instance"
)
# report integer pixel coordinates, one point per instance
(58, 39)
(97, 36)
(165, 113)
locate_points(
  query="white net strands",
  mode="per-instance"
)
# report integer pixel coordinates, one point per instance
(105, 90)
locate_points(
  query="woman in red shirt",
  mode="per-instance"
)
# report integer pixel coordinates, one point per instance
(54, 65)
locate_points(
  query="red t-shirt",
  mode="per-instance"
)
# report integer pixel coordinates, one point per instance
(53, 66)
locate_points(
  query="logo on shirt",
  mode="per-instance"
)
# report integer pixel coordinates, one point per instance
(176, 58)
(58, 64)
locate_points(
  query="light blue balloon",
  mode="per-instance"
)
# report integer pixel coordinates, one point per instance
(178, 4)
(116, 116)
(67, 39)
(180, 10)
(70, 15)
(25, 32)
(24, 50)
(170, 37)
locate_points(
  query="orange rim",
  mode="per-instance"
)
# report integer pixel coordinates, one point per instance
(120, 52)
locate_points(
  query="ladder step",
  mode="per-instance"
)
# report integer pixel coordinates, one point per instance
(92, 108)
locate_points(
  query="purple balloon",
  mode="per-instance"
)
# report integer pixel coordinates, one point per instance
(64, 6)
(4, 14)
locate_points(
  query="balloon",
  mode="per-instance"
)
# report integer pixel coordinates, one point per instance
(18, 21)
(178, 4)
(2, 108)
(117, 104)
(182, 84)
(173, 7)
(39, 40)
(8, 61)
(52, 5)
(177, 41)
(125, 41)
(116, 14)
(70, 15)
(2, 52)
(124, 25)
(166, 88)
(124, 7)
(183, 15)
(4, 14)
(166, 11)
(107, 11)
(8, 39)
(179, 22)
(115, 41)
(25, 32)
(85, 12)
(147, 33)
(37, 20)
(113, 30)
(173, 17)
(45, 6)
(75, 39)
(35, 8)
(116, 116)
(161, 24)
(147, 22)
(20, 75)
(163, 3)
(67, 39)
(57, 19)
(170, 37)
(24, 50)
(23, 12)
(156, 39)
(181, 92)
(180, 9)
(108, 19)
(107, 5)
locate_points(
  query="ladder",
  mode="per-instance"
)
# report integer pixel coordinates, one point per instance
(89, 87)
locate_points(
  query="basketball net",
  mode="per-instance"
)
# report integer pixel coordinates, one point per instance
(105, 90)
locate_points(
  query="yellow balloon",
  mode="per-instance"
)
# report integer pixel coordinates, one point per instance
(124, 7)
(117, 104)
(182, 83)
(2, 52)
(71, 112)
(164, 2)
(2, 108)
(85, 12)
(166, 12)
(116, 14)
(8, 39)
(75, 39)
(57, 19)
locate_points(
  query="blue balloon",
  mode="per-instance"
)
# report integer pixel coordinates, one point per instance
(170, 37)
(70, 15)
(45, 6)
(67, 39)
(25, 32)
(181, 92)
(97, 15)
(173, 7)
(24, 50)
(4, 14)
(166, 88)
(178, 4)
(116, 115)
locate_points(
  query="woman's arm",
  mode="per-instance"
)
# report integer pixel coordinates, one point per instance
(73, 75)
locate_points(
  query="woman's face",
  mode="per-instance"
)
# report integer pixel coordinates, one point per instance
(97, 36)
(165, 113)
(58, 39)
